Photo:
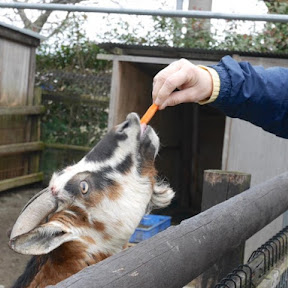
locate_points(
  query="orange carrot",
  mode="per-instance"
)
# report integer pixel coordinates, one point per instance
(149, 114)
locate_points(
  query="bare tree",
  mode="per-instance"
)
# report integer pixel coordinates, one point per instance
(57, 24)
(38, 24)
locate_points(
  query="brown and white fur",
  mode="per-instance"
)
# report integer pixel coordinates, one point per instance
(90, 209)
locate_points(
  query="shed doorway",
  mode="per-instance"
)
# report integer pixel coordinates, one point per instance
(191, 135)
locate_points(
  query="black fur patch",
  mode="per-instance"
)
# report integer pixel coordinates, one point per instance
(147, 150)
(106, 147)
(96, 180)
(125, 165)
(32, 268)
(100, 180)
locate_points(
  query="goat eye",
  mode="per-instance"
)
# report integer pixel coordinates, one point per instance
(84, 187)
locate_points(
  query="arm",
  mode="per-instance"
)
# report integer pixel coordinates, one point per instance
(255, 94)
(248, 92)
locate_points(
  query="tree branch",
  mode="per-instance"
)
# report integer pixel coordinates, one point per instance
(27, 23)
(60, 26)
(38, 24)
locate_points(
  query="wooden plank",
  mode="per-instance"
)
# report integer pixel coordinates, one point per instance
(130, 91)
(12, 129)
(179, 253)
(148, 60)
(20, 181)
(68, 147)
(21, 148)
(114, 98)
(22, 110)
(34, 161)
(36, 133)
(12, 166)
(15, 61)
(97, 100)
(262, 61)
(18, 36)
(29, 131)
(31, 78)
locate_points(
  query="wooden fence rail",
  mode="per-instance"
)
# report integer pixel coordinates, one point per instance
(24, 110)
(181, 253)
(20, 145)
(20, 181)
(21, 148)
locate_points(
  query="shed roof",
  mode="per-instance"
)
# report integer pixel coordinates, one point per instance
(176, 52)
(20, 35)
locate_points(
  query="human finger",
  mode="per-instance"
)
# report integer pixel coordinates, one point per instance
(181, 96)
(161, 77)
(181, 79)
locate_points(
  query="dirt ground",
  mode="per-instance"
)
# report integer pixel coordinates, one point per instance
(11, 203)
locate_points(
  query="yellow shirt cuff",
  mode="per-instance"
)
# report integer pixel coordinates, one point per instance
(216, 85)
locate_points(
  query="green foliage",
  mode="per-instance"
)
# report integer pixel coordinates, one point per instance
(163, 31)
(75, 88)
(275, 35)
(76, 56)
(81, 124)
(195, 33)
(273, 38)
(71, 50)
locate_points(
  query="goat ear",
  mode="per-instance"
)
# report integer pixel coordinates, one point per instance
(161, 196)
(41, 240)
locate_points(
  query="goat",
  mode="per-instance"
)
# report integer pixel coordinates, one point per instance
(90, 210)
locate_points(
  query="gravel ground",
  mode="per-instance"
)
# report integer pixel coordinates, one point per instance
(11, 203)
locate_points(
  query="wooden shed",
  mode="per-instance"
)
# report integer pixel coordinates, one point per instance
(191, 135)
(20, 144)
(194, 137)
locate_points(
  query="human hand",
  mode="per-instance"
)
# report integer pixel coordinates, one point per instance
(194, 84)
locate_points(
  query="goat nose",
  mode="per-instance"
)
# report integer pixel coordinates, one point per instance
(133, 117)
(54, 191)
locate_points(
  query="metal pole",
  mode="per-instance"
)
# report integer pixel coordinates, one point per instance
(179, 254)
(165, 13)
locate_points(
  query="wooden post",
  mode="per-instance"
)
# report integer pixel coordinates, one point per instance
(219, 186)
(34, 162)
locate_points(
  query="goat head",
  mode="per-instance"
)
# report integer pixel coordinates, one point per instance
(95, 204)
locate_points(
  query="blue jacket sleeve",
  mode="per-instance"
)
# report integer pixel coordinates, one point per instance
(254, 94)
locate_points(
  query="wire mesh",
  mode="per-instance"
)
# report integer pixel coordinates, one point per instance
(266, 267)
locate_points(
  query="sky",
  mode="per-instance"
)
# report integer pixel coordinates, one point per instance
(98, 24)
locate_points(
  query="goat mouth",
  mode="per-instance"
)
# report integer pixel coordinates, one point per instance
(143, 129)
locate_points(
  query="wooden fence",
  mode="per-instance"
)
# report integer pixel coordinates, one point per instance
(20, 145)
